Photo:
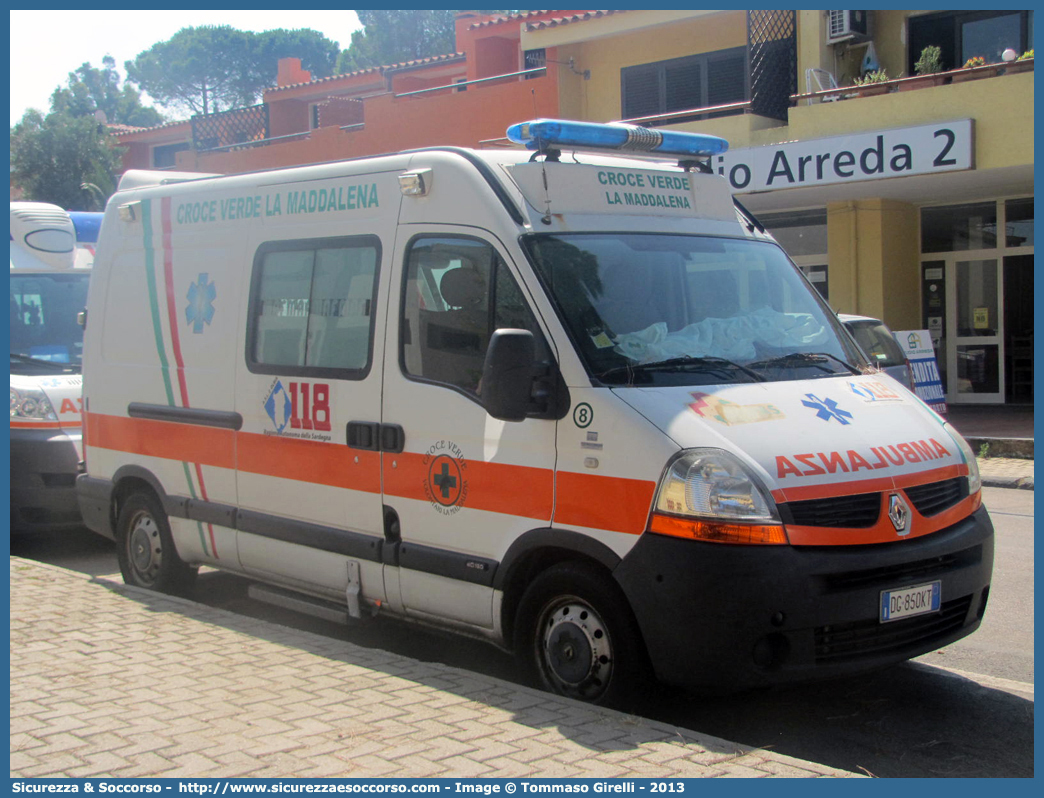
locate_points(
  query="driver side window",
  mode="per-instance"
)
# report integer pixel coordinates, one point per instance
(458, 291)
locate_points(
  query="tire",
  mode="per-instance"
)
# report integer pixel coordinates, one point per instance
(579, 637)
(145, 547)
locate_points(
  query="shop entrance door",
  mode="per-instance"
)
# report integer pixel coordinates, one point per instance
(974, 339)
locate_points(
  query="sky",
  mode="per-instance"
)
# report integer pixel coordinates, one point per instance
(47, 45)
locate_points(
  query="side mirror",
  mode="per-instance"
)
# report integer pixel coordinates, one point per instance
(507, 374)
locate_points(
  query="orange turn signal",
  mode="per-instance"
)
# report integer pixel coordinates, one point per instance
(717, 532)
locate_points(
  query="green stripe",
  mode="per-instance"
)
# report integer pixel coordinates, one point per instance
(150, 275)
(157, 329)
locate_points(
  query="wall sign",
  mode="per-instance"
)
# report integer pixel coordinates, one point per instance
(919, 150)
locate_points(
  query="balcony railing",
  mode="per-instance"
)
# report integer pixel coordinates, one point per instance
(672, 117)
(464, 83)
(916, 82)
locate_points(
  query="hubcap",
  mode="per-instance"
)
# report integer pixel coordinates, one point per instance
(144, 547)
(577, 652)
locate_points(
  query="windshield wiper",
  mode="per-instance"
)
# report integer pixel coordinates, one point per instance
(814, 359)
(714, 365)
(36, 361)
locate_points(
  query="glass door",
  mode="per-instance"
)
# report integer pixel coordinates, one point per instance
(974, 340)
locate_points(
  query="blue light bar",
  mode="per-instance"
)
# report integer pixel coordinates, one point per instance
(87, 224)
(542, 133)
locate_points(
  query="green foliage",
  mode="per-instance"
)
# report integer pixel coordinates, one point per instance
(212, 68)
(877, 76)
(393, 36)
(1025, 56)
(90, 90)
(930, 61)
(975, 61)
(54, 157)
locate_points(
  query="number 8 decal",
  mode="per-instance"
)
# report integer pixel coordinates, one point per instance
(583, 415)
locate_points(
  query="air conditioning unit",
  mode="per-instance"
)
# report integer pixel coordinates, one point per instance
(843, 26)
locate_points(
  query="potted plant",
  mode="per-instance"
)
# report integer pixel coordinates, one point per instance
(873, 83)
(928, 70)
(973, 69)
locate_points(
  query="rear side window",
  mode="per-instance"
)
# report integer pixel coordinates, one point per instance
(877, 341)
(311, 307)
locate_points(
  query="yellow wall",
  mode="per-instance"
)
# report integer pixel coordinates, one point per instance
(1001, 106)
(599, 98)
(874, 260)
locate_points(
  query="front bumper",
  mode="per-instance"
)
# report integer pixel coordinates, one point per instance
(44, 466)
(745, 616)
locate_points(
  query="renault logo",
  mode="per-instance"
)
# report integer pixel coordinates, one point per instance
(900, 514)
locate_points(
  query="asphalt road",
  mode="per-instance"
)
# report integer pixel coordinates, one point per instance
(963, 711)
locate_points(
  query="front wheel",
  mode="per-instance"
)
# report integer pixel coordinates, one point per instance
(145, 547)
(579, 636)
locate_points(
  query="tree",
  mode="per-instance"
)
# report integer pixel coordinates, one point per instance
(208, 69)
(53, 157)
(394, 36)
(90, 90)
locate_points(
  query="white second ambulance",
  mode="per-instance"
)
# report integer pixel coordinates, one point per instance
(51, 256)
(576, 404)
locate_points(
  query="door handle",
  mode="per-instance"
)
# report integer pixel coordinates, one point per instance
(374, 437)
(393, 438)
(363, 435)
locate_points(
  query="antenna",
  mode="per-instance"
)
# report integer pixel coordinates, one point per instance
(546, 218)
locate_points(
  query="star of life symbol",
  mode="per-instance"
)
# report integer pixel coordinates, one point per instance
(201, 296)
(277, 405)
(826, 409)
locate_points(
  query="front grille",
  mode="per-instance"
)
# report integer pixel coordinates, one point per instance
(871, 638)
(853, 512)
(935, 497)
(903, 573)
(59, 480)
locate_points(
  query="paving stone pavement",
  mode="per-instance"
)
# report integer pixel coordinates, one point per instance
(1006, 472)
(113, 681)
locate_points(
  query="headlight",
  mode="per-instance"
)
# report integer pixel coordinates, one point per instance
(707, 494)
(974, 478)
(31, 404)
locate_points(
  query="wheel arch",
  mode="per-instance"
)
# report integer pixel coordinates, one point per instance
(536, 551)
(130, 479)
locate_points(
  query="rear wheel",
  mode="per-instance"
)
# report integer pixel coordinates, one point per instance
(580, 638)
(146, 550)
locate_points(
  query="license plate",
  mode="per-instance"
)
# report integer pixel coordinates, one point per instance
(909, 601)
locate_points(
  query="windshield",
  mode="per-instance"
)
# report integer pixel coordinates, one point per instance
(877, 341)
(689, 310)
(44, 329)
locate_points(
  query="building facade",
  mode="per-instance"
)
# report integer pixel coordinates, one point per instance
(905, 197)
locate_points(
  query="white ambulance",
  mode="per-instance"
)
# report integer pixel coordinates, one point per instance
(51, 256)
(576, 404)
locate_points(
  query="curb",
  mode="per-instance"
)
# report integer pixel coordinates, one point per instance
(1018, 483)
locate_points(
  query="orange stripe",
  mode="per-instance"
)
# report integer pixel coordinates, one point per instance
(309, 461)
(494, 487)
(835, 489)
(44, 425)
(611, 503)
(185, 442)
(883, 531)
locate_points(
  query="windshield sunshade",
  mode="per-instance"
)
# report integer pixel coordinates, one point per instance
(672, 309)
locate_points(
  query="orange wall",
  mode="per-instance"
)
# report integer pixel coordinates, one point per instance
(452, 118)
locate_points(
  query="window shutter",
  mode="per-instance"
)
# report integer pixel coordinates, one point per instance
(641, 91)
(683, 87)
(726, 80)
